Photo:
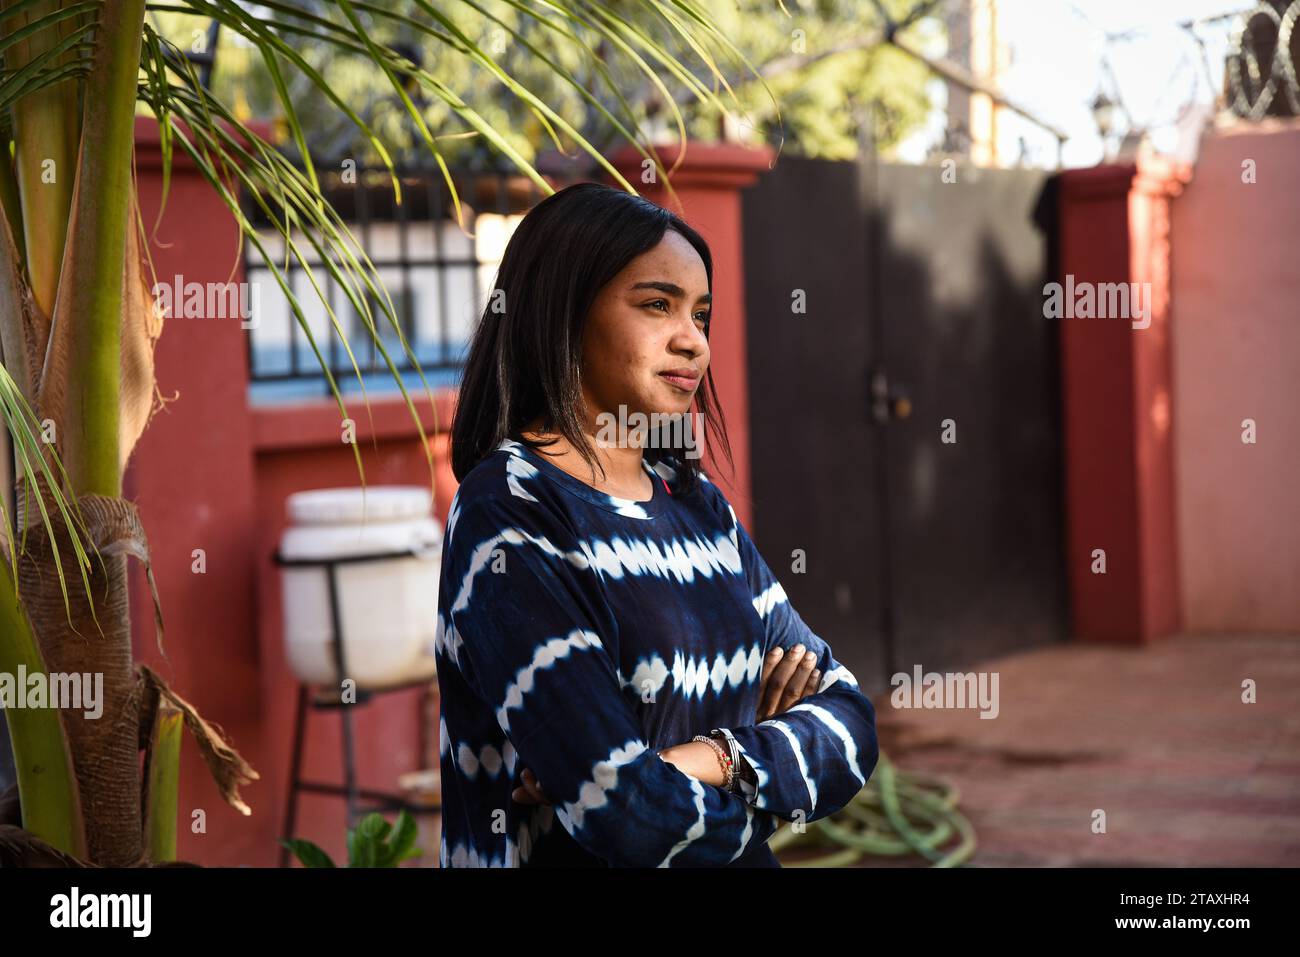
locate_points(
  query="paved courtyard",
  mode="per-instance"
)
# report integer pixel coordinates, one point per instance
(1157, 737)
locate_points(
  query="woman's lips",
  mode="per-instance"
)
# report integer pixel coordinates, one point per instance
(685, 383)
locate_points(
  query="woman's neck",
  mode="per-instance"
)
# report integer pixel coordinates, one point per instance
(624, 473)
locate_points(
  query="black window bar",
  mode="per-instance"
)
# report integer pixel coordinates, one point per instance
(280, 361)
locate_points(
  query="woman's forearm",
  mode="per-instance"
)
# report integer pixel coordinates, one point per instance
(698, 760)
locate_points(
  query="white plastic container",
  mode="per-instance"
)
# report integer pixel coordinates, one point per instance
(388, 607)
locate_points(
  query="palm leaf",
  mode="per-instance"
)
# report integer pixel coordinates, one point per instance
(228, 152)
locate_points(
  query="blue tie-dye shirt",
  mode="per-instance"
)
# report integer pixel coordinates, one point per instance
(578, 634)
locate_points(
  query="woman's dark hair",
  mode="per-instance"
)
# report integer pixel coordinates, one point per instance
(527, 349)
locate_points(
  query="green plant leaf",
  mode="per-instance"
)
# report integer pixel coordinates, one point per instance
(308, 853)
(402, 843)
(374, 828)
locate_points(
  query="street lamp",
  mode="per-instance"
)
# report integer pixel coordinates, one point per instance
(1104, 113)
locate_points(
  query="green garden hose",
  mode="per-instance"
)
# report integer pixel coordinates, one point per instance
(896, 814)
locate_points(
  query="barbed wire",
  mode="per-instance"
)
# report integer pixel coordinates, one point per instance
(1267, 31)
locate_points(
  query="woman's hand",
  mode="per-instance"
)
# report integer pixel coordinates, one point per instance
(787, 679)
(531, 791)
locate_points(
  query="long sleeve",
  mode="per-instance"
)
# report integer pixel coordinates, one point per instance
(814, 758)
(531, 636)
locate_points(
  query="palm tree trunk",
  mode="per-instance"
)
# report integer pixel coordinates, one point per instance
(79, 390)
(45, 137)
(81, 639)
(47, 785)
(83, 395)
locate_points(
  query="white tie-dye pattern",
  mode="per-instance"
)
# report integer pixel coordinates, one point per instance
(489, 759)
(615, 558)
(696, 830)
(594, 794)
(772, 596)
(483, 554)
(679, 558)
(838, 673)
(465, 854)
(538, 821)
(692, 676)
(648, 678)
(545, 656)
(453, 513)
(471, 762)
(511, 756)
(517, 467)
(793, 740)
(446, 639)
(837, 728)
(761, 776)
(628, 507)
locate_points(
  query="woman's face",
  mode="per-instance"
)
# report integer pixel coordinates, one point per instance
(647, 321)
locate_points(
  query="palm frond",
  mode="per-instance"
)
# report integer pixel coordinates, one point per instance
(228, 153)
(38, 460)
(47, 67)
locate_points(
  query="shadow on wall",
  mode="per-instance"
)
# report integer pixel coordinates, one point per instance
(937, 536)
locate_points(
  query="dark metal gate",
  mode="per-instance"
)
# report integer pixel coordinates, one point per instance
(905, 426)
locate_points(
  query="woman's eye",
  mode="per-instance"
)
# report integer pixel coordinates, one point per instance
(699, 316)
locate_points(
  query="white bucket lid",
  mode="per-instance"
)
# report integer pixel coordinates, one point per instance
(347, 506)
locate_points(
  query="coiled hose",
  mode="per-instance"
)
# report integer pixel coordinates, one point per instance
(895, 815)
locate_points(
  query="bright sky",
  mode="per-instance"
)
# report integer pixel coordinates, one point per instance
(1058, 51)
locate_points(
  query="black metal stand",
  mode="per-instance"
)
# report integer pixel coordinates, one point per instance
(350, 790)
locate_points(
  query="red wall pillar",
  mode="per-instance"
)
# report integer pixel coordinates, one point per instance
(708, 185)
(1118, 406)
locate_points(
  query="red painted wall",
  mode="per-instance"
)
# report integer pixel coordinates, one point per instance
(1199, 526)
(1116, 390)
(193, 477)
(1236, 350)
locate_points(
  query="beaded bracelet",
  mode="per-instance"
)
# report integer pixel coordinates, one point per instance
(724, 759)
(723, 736)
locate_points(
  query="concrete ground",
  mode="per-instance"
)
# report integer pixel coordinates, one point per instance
(1157, 737)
